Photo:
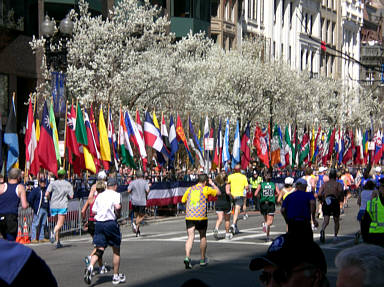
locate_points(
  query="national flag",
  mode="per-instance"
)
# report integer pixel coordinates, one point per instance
(304, 149)
(125, 146)
(92, 146)
(218, 148)
(197, 152)
(226, 155)
(284, 151)
(31, 152)
(288, 146)
(173, 139)
(155, 121)
(331, 145)
(105, 148)
(378, 147)
(10, 137)
(316, 145)
(140, 129)
(312, 146)
(166, 193)
(52, 122)
(296, 149)
(112, 139)
(236, 147)
(164, 132)
(37, 124)
(196, 145)
(339, 144)
(246, 156)
(275, 147)
(133, 132)
(365, 147)
(152, 136)
(80, 130)
(71, 144)
(261, 146)
(348, 147)
(95, 136)
(180, 135)
(46, 147)
(206, 132)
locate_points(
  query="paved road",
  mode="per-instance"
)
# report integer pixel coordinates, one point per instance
(156, 258)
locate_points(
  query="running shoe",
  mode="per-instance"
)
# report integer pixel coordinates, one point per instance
(232, 229)
(138, 234)
(118, 278)
(88, 276)
(216, 234)
(228, 236)
(264, 227)
(104, 269)
(322, 236)
(134, 227)
(203, 262)
(245, 216)
(52, 237)
(59, 245)
(237, 231)
(187, 263)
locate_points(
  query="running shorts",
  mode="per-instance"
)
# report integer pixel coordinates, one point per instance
(200, 225)
(107, 233)
(267, 207)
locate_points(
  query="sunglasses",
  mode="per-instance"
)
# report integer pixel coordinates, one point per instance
(281, 275)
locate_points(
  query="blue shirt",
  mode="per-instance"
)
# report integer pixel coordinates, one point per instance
(297, 205)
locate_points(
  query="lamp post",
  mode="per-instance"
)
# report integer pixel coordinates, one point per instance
(56, 42)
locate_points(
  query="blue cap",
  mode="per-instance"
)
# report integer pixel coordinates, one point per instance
(301, 181)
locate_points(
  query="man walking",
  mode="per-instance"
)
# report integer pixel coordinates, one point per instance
(11, 195)
(237, 186)
(331, 195)
(59, 192)
(297, 209)
(196, 198)
(107, 208)
(138, 189)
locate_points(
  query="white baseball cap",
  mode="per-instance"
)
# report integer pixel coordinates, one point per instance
(378, 169)
(322, 168)
(288, 180)
(102, 175)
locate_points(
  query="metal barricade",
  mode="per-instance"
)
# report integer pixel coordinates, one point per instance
(73, 221)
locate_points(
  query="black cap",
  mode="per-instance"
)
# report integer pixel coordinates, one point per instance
(287, 251)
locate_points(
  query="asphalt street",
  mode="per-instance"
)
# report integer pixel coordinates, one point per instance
(156, 258)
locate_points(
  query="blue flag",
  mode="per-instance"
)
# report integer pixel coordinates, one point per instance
(236, 148)
(10, 137)
(226, 155)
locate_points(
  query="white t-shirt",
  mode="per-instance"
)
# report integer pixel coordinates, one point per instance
(104, 206)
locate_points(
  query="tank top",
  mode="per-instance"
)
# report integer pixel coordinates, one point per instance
(196, 204)
(267, 192)
(309, 187)
(91, 214)
(320, 182)
(9, 201)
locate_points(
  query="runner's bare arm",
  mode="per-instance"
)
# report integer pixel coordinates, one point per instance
(257, 190)
(22, 195)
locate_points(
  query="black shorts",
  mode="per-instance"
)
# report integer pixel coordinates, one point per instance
(267, 207)
(8, 225)
(332, 209)
(91, 227)
(200, 225)
(226, 210)
(139, 209)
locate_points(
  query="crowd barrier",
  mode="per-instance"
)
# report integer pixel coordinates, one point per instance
(73, 224)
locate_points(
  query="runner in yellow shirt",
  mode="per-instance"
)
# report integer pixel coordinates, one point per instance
(196, 198)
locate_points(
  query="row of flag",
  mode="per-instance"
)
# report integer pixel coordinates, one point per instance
(91, 146)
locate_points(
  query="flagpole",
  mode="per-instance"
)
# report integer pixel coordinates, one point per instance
(65, 130)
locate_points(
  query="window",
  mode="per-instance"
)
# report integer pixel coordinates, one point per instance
(261, 11)
(255, 9)
(226, 16)
(290, 12)
(282, 50)
(289, 54)
(274, 10)
(3, 94)
(214, 37)
(273, 49)
(326, 31)
(282, 11)
(249, 9)
(333, 34)
(310, 25)
(215, 6)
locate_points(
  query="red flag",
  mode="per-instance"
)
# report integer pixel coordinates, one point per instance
(140, 128)
(348, 146)
(180, 133)
(378, 147)
(331, 144)
(261, 146)
(70, 138)
(46, 148)
(31, 151)
(92, 145)
(246, 156)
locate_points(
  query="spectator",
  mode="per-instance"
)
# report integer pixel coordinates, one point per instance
(360, 266)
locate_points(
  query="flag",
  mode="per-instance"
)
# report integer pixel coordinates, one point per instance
(284, 150)
(105, 148)
(152, 136)
(164, 132)
(10, 137)
(275, 147)
(331, 144)
(206, 132)
(112, 139)
(173, 139)
(313, 145)
(226, 155)
(52, 122)
(316, 146)
(288, 146)
(95, 137)
(80, 130)
(260, 144)
(31, 152)
(155, 121)
(218, 148)
(91, 162)
(71, 144)
(140, 129)
(181, 136)
(246, 156)
(133, 132)
(37, 124)
(195, 142)
(304, 150)
(378, 147)
(348, 147)
(236, 147)
(359, 156)
(295, 143)
(365, 146)
(46, 147)
(125, 146)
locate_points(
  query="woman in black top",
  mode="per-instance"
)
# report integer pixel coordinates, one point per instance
(223, 207)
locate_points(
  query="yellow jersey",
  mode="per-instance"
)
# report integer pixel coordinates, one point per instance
(196, 198)
(238, 182)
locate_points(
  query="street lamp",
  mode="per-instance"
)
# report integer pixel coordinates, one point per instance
(56, 42)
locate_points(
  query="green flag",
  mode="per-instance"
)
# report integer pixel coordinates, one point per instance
(287, 138)
(81, 132)
(304, 151)
(55, 135)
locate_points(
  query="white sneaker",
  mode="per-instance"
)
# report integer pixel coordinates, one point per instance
(118, 278)
(245, 216)
(134, 228)
(228, 236)
(103, 269)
